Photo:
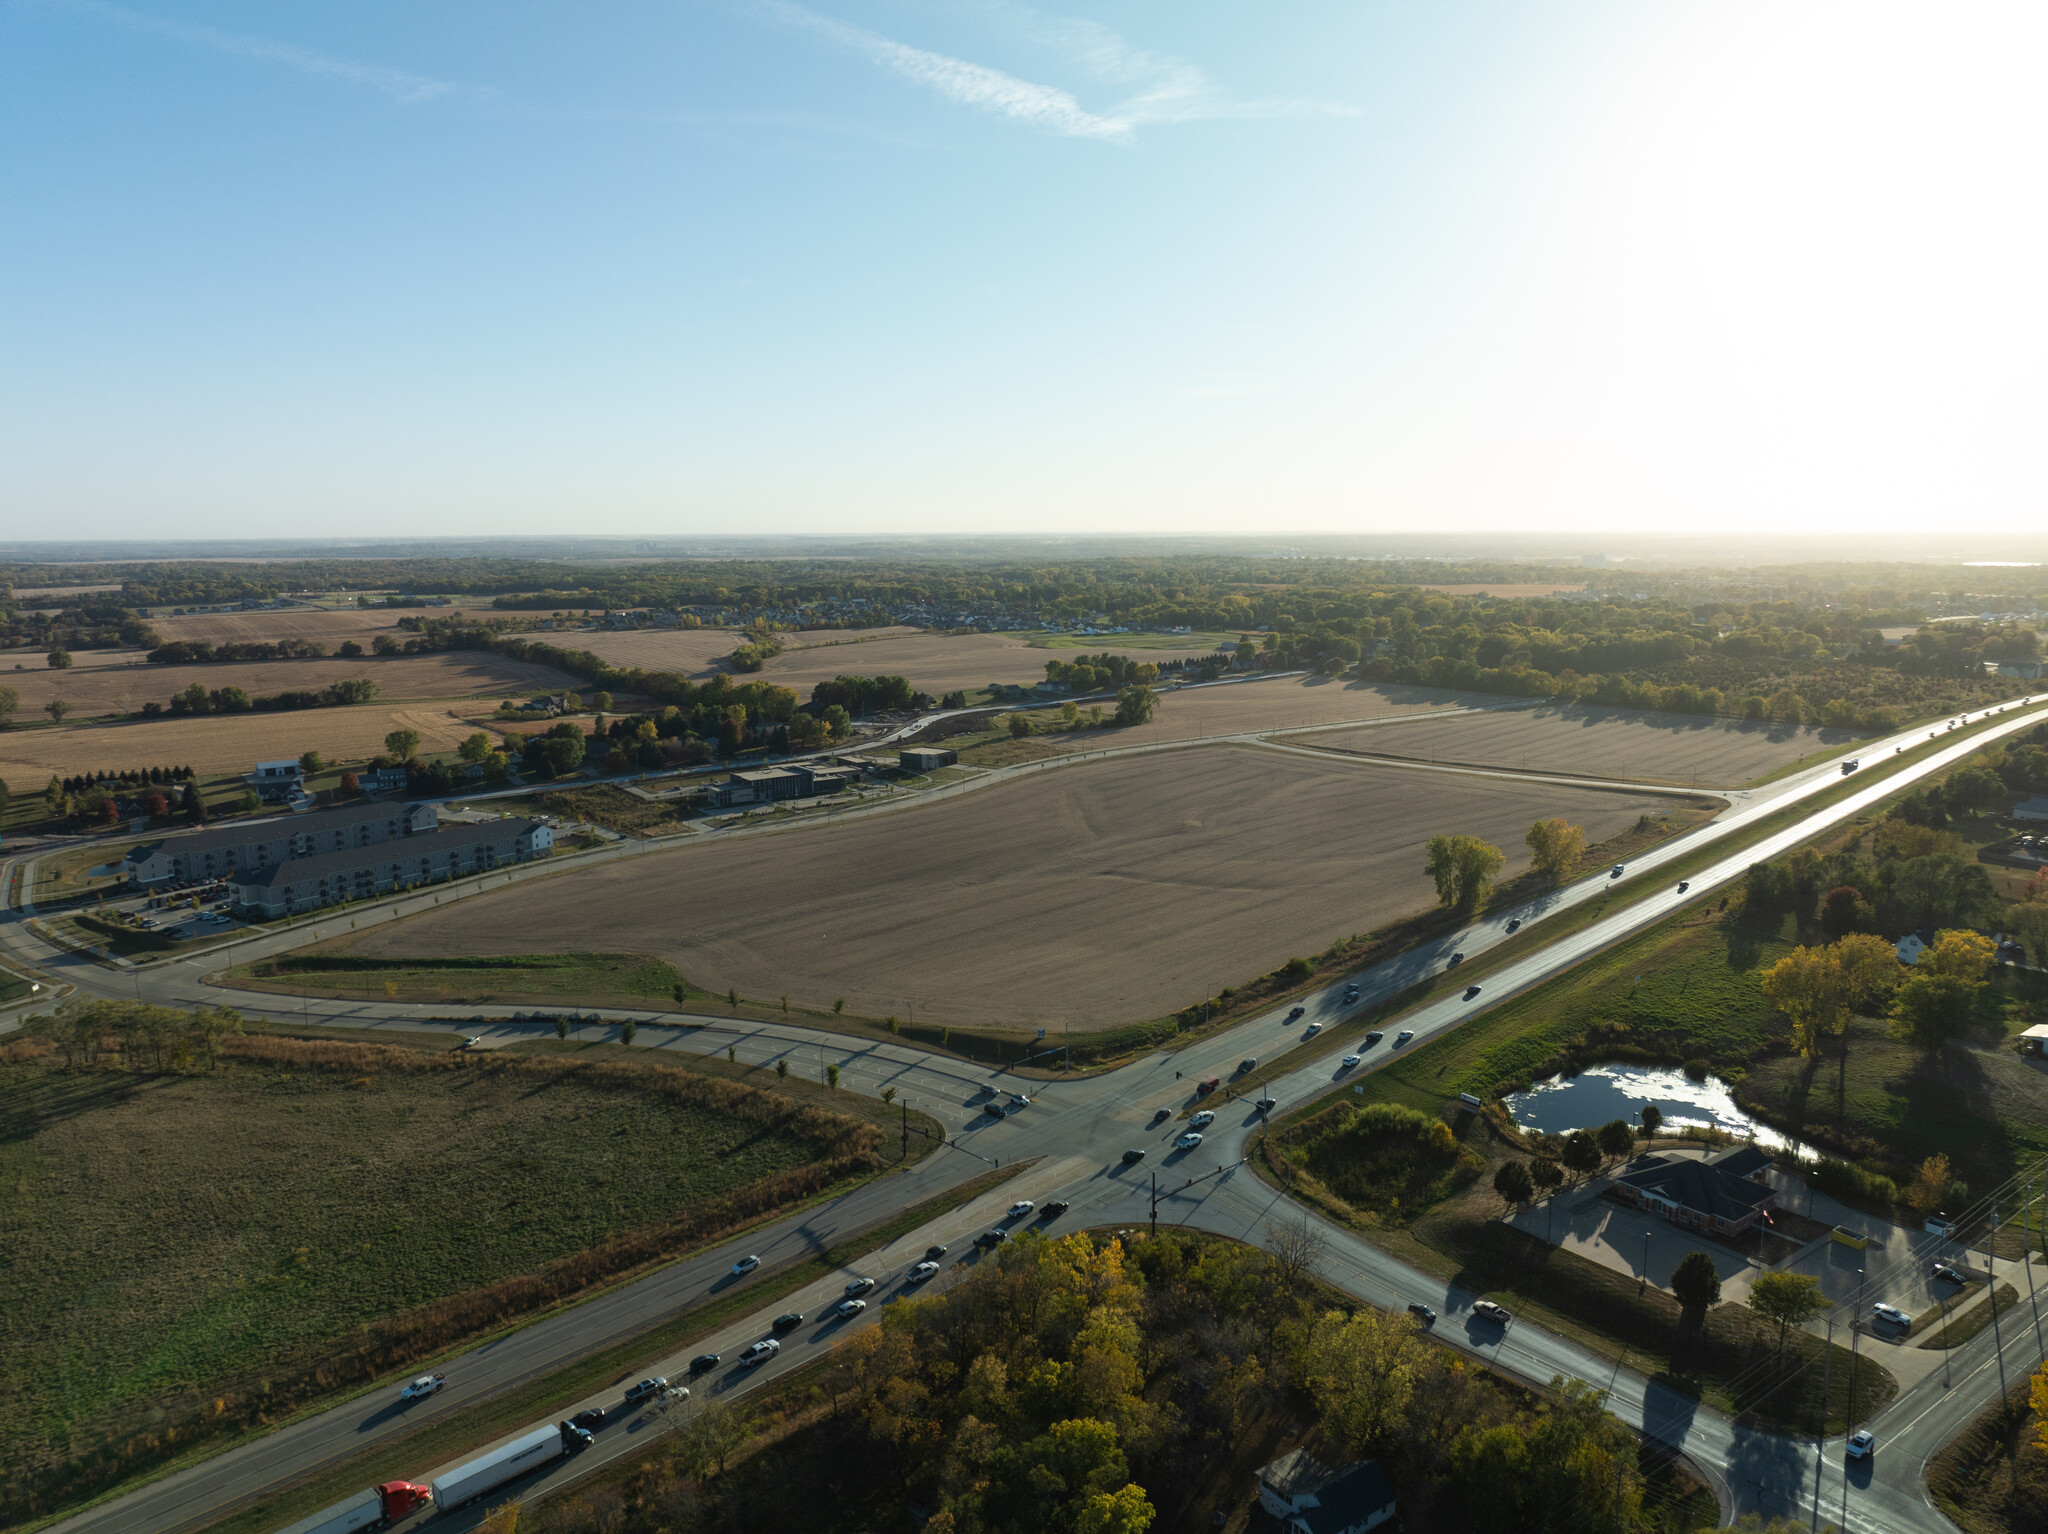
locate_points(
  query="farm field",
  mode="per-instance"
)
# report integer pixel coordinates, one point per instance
(1616, 742)
(1278, 703)
(121, 681)
(1097, 895)
(178, 1239)
(218, 743)
(329, 625)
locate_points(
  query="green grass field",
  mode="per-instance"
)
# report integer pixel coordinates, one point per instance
(569, 979)
(176, 1238)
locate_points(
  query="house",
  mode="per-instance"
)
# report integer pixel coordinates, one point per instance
(289, 887)
(381, 780)
(233, 849)
(1914, 944)
(2034, 808)
(925, 758)
(1721, 1196)
(277, 782)
(2026, 670)
(1308, 1497)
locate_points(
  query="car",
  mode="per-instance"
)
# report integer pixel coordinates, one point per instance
(1248, 1063)
(1267, 1104)
(1615, 871)
(1891, 1313)
(1208, 1085)
(1455, 960)
(575, 1439)
(1949, 1272)
(1403, 1037)
(704, 1361)
(1163, 1113)
(591, 1418)
(992, 1238)
(1022, 1207)
(473, 1042)
(1019, 1100)
(744, 1265)
(1203, 1119)
(1311, 1030)
(847, 1308)
(423, 1387)
(1351, 992)
(1351, 1060)
(1422, 1313)
(676, 1393)
(180, 935)
(653, 1385)
(1297, 1012)
(760, 1353)
(995, 1107)
(1471, 991)
(1486, 1310)
(1055, 1209)
(1860, 1445)
(1189, 1140)
(1133, 1157)
(1684, 885)
(1515, 924)
(859, 1286)
(788, 1321)
(921, 1272)
(1373, 1038)
(934, 1253)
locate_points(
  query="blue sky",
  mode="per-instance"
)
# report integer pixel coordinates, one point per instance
(985, 267)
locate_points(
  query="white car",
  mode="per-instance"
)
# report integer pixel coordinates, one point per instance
(760, 1353)
(923, 1271)
(473, 1042)
(1022, 1207)
(859, 1286)
(1351, 1060)
(1891, 1313)
(745, 1265)
(1188, 1141)
(1203, 1119)
(1403, 1037)
(1861, 1445)
(423, 1387)
(849, 1307)
(1311, 1030)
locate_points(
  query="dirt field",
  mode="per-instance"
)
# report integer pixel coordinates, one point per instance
(1617, 742)
(63, 592)
(121, 681)
(328, 625)
(1102, 893)
(1278, 704)
(227, 743)
(686, 652)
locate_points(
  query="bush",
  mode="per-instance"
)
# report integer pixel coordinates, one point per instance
(1846, 1180)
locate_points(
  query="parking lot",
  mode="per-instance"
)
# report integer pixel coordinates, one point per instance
(180, 912)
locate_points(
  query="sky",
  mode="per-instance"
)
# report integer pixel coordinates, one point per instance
(973, 266)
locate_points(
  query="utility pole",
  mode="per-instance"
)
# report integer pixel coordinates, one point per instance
(1820, 1433)
(1991, 1266)
(905, 1155)
(1155, 1203)
(2027, 1262)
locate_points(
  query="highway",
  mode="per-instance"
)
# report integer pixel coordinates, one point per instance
(1075, 1133)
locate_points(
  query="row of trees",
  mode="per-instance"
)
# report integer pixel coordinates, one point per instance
(1096, 673)
(1464, 867)
(189, 652)
(200, 699)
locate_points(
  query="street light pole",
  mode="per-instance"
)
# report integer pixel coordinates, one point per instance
(1991, 1267)
(1820, 1432)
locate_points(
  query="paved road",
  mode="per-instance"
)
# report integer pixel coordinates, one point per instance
(1079, 1129)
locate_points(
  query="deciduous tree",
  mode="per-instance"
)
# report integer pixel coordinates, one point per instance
(1463, 868)
(1697, 1285)
(1362, 1371)
(1808, 987)
(402, 744)
(1790, 1299)
(1616, 1139)
(1135, 705)
(57, 708)
(1582, 1152)
(1514, 1184)
(1555, 847)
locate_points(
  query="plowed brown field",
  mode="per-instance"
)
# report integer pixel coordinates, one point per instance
(121, 681)
(1278, 703)
(329, 625)
(1597, 742)
(1102, 893)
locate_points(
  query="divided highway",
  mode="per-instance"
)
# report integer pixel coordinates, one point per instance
(1076, 1132)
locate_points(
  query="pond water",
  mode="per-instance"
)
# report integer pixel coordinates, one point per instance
(1602, 1093)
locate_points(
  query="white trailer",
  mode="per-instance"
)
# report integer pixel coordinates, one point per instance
(467, 1482)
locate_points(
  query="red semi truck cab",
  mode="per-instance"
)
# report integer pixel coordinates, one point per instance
(404, 1498)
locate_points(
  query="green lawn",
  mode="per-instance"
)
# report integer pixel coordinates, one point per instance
(178, 1240)
(572, 979)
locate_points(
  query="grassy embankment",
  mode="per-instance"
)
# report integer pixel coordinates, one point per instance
(194, 1246)
(1992, 1478)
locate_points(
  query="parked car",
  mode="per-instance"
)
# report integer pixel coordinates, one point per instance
(934, 1253)
(652, 1385)
(703, 1361)
(1423, 1314)
(1860, 1445)
(760, 1353)
(1054, 1210)
(592, 1417)
(1950, 1272)
(1486, 1310)
(1188, 1141)
(1022, 1207)
(1403, 1037)
(921, 1272)
(1203, 1119)
(1891, 1313)
(1373, 1038)
(847, 1308)
(859, 1286)
(423, 1387)
(1291, 1016)
(788, 1321)
(745, 1265)
(1351, 1060)
(1133, 1157)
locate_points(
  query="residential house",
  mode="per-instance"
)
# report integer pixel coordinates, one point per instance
(1721, 1196)
(382, 780)
(279, 783)
(1914, 944)
(306, 884)
(1308, 1497)
(232, 849)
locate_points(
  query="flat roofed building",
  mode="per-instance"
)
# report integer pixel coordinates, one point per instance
(233, 849)
(759, 786)
(357, 873)
(925, 758)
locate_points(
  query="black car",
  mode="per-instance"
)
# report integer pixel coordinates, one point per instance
(1054, 1210)
(1423, 1314)
(1373, 1038)
(575, 1439)
(1456, 958)
(1471, 991)
(1267, 1104)
(1297, 1012)
(1133, 1157)
(934, 1253)
(1516, 923)
(593, 1418)
(702, 1362)
(788, 1321)
(992, 1238)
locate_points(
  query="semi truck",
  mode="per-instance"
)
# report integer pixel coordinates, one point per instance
(543, 1445)
(371, 1508)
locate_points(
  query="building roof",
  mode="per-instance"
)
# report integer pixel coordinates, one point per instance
(1295, 1473)
(763, 775)
(1696, 1185)
(1743, 1161)
(247, 835)
(1354, 1495)
(423, 845)
(2038, 1031)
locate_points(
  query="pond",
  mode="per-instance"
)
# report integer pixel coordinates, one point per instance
(1602, 1093)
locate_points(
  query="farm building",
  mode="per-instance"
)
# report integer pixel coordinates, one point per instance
(925, 758)
(231, 849)
(307, 884)
(1722, 1196)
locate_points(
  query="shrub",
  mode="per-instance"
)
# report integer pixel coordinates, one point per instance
(1846, 1180)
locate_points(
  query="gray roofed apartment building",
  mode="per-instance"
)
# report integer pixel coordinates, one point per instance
(288, 887)
(233, 849)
